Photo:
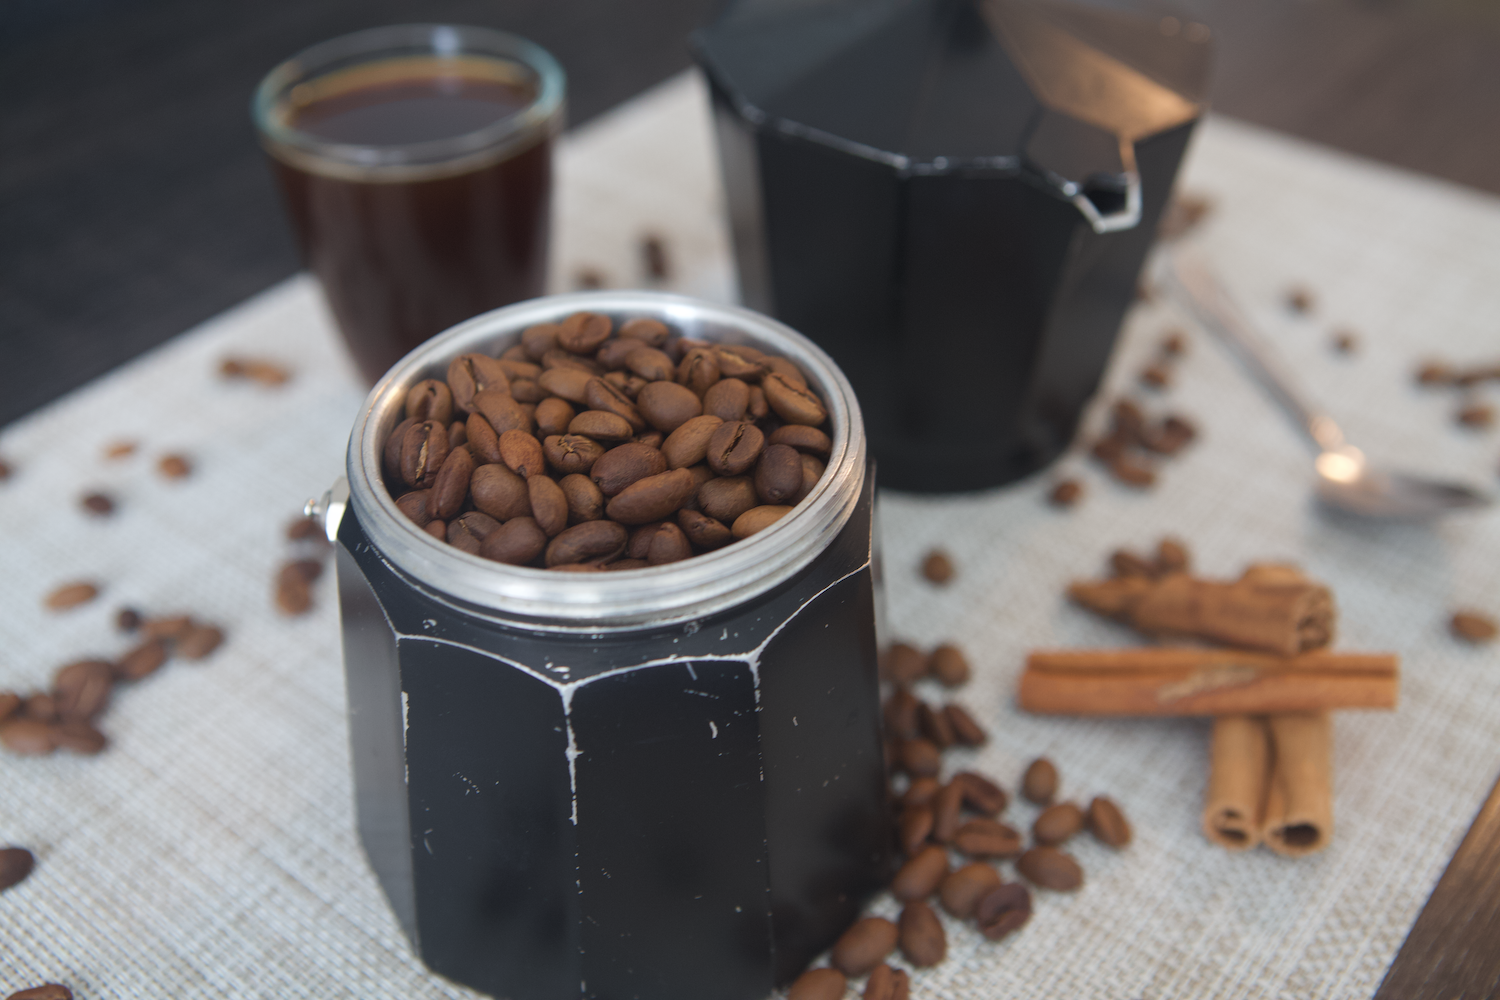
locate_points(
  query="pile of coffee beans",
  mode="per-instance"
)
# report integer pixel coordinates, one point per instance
(64, 717)
(586, 448)
(1132, 439)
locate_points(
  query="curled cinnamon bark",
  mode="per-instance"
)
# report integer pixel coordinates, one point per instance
(1239, 770)
(1299, 801)
(1270, 607)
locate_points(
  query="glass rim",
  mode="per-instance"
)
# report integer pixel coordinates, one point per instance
(538, 120)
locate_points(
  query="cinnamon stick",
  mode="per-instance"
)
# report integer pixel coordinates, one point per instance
(1239, 770)
(1271, 607)
(1157, 681)
(1299, 802)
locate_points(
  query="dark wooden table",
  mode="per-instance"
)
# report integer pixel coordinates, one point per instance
(134, 202)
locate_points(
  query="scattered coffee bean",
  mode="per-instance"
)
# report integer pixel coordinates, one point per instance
(818, 984)
(78, 736)
(47, 991)
(920, 758)
(948, 665)
(1173, 344)
(914, 827)
(864, 945)
(29, 737)
(1184, 213)
(1345, 341)
(1049, 868)
(947, 812)
(935, 726)
(174, 466)
(173, 626)
(70, 595)
(5, 470)
(1476, 415)
(1066, 493)
(919, 877)
(81, 689)
(1108, 823)
(1057, 824)
(961, 890)
(293, 590)
(1002, 910)
(988, 838)
(1156, 377)
(142, 661)
(903, 664)
(1473, 626)
(260, 370)
(589, 279)
(15, 864)
(980, 794)
(885, 983)
(654, 258)
(127, 620)
(966, 731)
(10, 704)
(1039, 784)
(921, 791)
(199, 641)
(98, 504)
(119, 449)
(921, 935)
(1299, 299)
(1132, 472)
(937, 567)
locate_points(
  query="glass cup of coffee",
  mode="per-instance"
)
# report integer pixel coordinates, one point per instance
(415, 162)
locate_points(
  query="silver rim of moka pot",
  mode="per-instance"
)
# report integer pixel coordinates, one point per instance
(626, 599)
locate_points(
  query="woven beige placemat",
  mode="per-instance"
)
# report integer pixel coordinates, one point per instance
(210, 851)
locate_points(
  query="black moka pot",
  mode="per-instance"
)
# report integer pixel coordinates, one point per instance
(954, 198)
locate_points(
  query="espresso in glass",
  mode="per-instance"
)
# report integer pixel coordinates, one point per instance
(415, 163)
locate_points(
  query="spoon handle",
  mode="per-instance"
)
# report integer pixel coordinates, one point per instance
(1201, 289)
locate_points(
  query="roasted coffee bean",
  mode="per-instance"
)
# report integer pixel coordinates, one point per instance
(727, 498)
(1475, 415)
(648, 331)
(1049, 868)
(423, 450)
(649, 363)
(1473, 626)
(468, 530)
(458, 435)
(808, 440)
(41, 706)
(29, 737)
(965, 730)
(796, 404)
(15, 864)
(758, 409)
(629, 383)
(559, 358)
(936, 566)
(919, 877)
(1039, 784)
(467, 375)
(903, 712)
(758, 519)
(78, 736)
(518, 542)
(570, 453)
(585, 499)
(525, 390)
(961, 890)
(703, 531)
(1131, 472)
(1108, 823)
(947, 812)
(47, 991)
(294, 590)
(499, 492)
(948, 665)
(734, 448)
(652, 498)
(174, 466)
(921, 935)
(589, 542)
(10, 703)
(981, 794)
(651, 439)
(919, 758)
(539, 339)
(98, 504)
(613, 352)
(921, 791)
(1066, 493)
(727, 399)
(903, 664)
(451, 487)
(437, 528)
(549, 505)
(516, 363)
(699, 370)
(173, 626)
(199, 641)
(569, 383)
(584, 332)
(624, 564)
(1057, 824)
(142, 661)
(812, 471)
(391, 452)
(778, 473)
(913, 828)
(602, 395)
(740, 362)
(988, 838)
(639, 545)
(81, 689)
(483, 443)
(431, 400)
(935, 726)
(864, 945)
(787, 370)
(70, 595)
(885, 983)
(626, 464)
(667, 405)
(818, 984)
(554, 416)
(1002, 910)
(601, 425)
(668, 545)
(416, 505)
(522, 453)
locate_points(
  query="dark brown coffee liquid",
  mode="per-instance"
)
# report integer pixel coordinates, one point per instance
(402, 260)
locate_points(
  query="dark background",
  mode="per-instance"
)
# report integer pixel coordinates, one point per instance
(134, 203)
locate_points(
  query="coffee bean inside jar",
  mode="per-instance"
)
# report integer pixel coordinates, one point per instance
(591, 433)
